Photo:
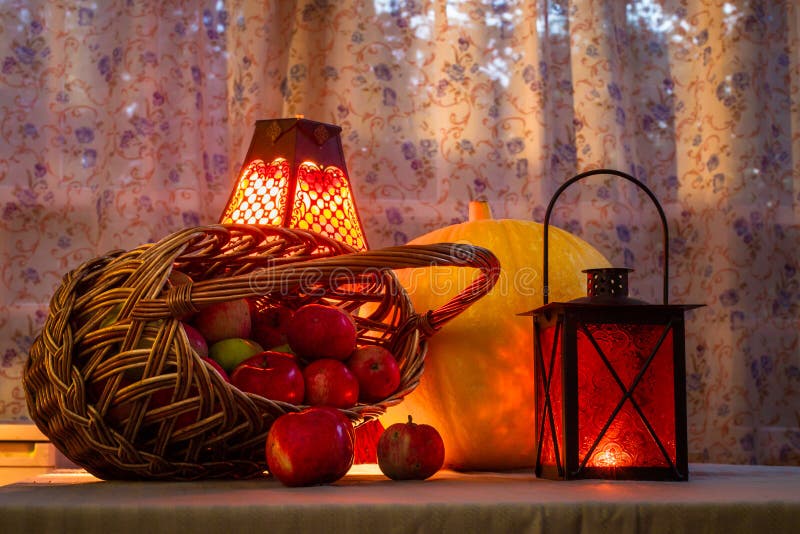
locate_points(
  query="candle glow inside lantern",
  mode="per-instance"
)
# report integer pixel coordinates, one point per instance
(294, 176)
(610, 376)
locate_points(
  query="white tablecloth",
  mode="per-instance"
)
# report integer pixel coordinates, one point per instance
(718, 498)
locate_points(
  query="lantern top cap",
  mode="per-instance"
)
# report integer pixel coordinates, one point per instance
(608, 285)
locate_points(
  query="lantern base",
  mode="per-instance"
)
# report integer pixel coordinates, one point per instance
(615, 473)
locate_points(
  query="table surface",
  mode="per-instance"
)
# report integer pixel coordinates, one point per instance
(717, 498)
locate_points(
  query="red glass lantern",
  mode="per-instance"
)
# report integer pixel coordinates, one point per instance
(294, 175)
(610, 377)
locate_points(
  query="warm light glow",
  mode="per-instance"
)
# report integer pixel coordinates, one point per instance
(625, 414)
(322, 200)
(610, 455)
(606, 458)
(627, 439)
(260, 196)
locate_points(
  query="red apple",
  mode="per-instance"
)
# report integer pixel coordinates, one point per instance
(408, 451)
(273, 375)
(377, 372)
(270, 324)
(321, 331)
(331, 383)
(196, 340)
(313, 446)
(217, 367)
(222, 320)
(343, 418)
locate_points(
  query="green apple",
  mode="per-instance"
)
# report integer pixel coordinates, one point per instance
(282, 348)
(232, 351)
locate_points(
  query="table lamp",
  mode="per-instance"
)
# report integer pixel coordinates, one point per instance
(294, 176)
(610, 376)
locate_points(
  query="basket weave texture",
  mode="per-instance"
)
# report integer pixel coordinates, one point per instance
(114, 384)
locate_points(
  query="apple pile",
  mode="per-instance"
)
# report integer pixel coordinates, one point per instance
(313, 359)
(316, 446)
(309, 356)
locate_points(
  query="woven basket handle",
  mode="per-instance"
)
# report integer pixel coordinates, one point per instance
(187, 297)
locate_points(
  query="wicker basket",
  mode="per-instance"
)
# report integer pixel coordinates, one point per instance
(119, 316)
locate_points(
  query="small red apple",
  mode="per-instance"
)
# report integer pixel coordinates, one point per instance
(377, 372)
(222, 320)
(321, 331)
(217, 367)
(270, 324)
(331, 383)
(273, 375)
(313, 446)
(408, 451)
(196, 340)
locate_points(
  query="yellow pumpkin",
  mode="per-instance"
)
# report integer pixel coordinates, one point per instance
(477, 388)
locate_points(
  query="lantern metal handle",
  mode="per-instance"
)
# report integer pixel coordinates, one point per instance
(621, 175)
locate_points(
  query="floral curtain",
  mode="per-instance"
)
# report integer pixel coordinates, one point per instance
(123, 121)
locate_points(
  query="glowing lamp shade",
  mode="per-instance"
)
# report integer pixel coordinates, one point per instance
(294, 175)
(610, 373)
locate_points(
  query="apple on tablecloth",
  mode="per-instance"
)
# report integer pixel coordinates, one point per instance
(410, 451)
(311, 447)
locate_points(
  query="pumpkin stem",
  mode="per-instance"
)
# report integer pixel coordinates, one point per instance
(410, 422)
(479, 210)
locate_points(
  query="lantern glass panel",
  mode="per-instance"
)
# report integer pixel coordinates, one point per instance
(258, 197)
(626, 413)
(552, 366)
(323, 204)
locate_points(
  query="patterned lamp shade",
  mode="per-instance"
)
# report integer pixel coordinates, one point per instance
(294, 175)
(610, 378)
